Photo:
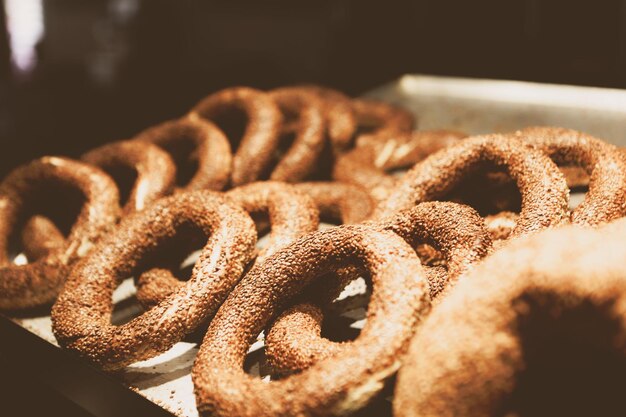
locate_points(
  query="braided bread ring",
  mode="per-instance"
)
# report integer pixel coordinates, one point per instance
(211, 151)
(81, 317)
(340, 384)
(340, 118)
(155, 176)
(539, 290)
(367, 164)
(302, 156)
(606, 198)
(261, 137)
(342, 202)
(545, 195)
(584, 161)
(292, 214)
(294, 341)
(156, 173)
(38, 283)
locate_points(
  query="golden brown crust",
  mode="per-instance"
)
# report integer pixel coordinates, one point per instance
(340, 384)
(341, 123)
(501, 225)
(150, 169)
(503, 287)
(346, 117)
(81, 317)
(546, 284)
(294, 341)
(303, 155)
(606, 167)
(155, 170)
(545, 196)
(38, 282)
(261, 137)
(291, 214)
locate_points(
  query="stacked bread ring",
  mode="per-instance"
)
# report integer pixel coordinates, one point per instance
(459, 253)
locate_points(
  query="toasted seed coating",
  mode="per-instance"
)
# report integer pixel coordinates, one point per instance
(260, 139)
(291, 213)
(338, 385)
(81, 316)
(38, 283)
(294, 340)
(545, 196)
(548, 282)
(210, 150)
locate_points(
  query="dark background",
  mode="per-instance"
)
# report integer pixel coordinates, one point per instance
(106, 69)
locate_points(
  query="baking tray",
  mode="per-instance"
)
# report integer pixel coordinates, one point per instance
(162, 385)
(485, 106)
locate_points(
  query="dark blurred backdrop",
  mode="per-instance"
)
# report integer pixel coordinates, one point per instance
(76, 73)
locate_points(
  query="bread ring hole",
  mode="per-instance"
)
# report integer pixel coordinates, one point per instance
(263, 227)
(125, 305)
(396, 162)
(574, 362)
(184, 153)
(343, 322)
(233, 121)
(255, 363)
(175, 257)
(577, 196)
(330, 217)
(347, 314)
(399, 171)
(325, 163)
(179, 253)
(436, 263)
(578, 183)
(57, 204)
(285, 140)
(344, 317)
(488, 189)
(290, 127)
(577, 178)
(125, 178)
(429, 256)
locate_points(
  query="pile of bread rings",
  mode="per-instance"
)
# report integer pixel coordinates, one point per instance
(472, 256)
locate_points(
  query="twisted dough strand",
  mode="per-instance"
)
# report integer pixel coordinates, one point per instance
(81, 316)
(38, 282)
(294, 340)
(545, 195)
(261, 136)
(341, 384)
(541, 291)
(154, 177)
(291, 213)
(191, 141)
